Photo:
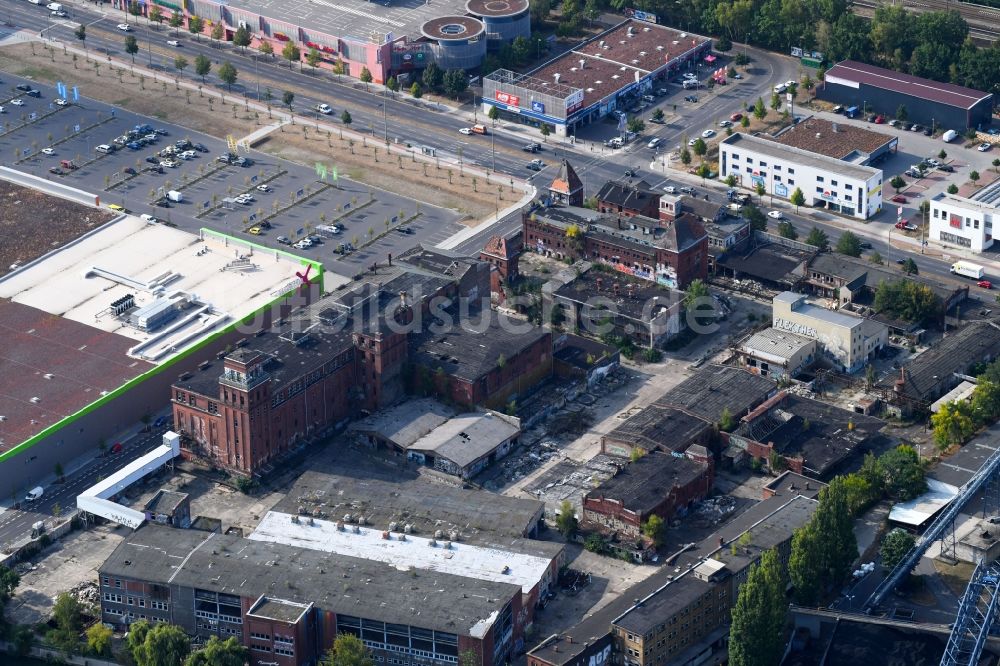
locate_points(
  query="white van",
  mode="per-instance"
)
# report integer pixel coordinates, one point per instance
(175, 196)
(34, 494)
(105, 148)
(691, 83)
(949, 136)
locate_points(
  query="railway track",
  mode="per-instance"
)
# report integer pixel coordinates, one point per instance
(984, 22)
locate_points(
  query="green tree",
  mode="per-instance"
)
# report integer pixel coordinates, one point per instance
(196, 25)
(99, 639)
(242, 38)
(345, 117)
(798, 198)
(753, 215)
(137, 632)
(180, 63)
(313, 57)
(849, 244)
(219, 653)
(654, 529)
(902, 473)
(745, 122)
(952, 188)
(68, 616)
(876, 258)
(901, 113)
(635, 125)
(985, 401)
(202, 66)
(288, 98)
(703, 172)
(787, 230)
(700, 147)
(228, 74)
(9, 580)
(723, 44)
(218, 31)
(291, 53)
(566, 520)
(456, 82)
(804, 565)
(895, 545)
(897, 183)
(818, 238)
(731, 180)
(493, 114)
(910, 267)
(726, 421)
(392, 84)
(905, 299)
(776, 101)
(131, 46)
(758, 617)
(81, 34)
(163, 645)
(545, 131)
(415, 91)
(265, 48)
(824, 549)
(952, 424)
(156, 15)
(973, 176)
(433, 77)
(176, 21)
(685, 156)
(759, 110)
(760, 191)
(365, 76)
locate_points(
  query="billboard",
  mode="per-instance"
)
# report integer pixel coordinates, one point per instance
(509, 100)
(640, 16)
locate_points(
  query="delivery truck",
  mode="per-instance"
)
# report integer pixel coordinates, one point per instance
(175, 196)
(949, 136)
(968, 270)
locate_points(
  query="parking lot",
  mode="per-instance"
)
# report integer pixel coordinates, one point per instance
(61, 142)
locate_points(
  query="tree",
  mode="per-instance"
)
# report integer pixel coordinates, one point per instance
(9, 580)
(731, 180)
(196, 25)
(760, 190)
(68, 616)
(823, 549)
(657, 114)
(908, 300)
(566, 520)
(287, 98)
(798, 198)
(876, 258)
(910, 267)
(415, 91)
(901, 113)
(493, 114)
(952, 188)
(242, 38)
(804, 565)
(776, 101)
(849, 244)
(202, 66)
(265, 48)
(99, 639)
(81, 34)
(137, 632)
(726, 421)
(176, 21)
(456, 82)
(131, 46)
(433, 77)
(753, 215)
(219, 653)
(218, 31)
(758, 617)
(818, 238)
(635, 125)
(392, 84)
(787, 230)
(345, 117)
(546, 131)
(895, 545)
(703, 172)
(365, 76)
(902, 473)
(745, 122)
(897, 183)
(723, 44)
(759, 110)
(985, 401)
(180, 63)
(973, 176)
(952, 424)
(348, 650)
(163, 645)
(685, 156)
(228, 74)
(291, 53)
(654, 530)
(996, 164)
(700, 147)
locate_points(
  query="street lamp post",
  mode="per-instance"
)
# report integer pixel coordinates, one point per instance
(493, 142)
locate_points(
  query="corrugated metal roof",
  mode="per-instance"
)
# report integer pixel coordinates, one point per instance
(907, 84)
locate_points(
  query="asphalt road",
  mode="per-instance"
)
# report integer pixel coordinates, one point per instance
(16, 523)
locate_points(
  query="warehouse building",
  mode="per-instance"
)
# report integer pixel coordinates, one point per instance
(287, 604)
(849, 189)
(607, 73)
(937, 105)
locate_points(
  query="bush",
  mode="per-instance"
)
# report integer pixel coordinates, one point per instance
(246, 484)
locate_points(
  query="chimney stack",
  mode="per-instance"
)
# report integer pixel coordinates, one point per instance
(556, 77)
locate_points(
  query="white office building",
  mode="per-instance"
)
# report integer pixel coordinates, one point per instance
(960, 222)
(843, 187)
(847, 341)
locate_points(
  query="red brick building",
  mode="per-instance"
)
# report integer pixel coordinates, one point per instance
(351, 355)
(502, 254)
(626, 198)
(656, 484)
(670, 252)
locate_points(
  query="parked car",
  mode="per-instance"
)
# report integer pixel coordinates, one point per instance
(630, 173)
(985, 284)
(899, 198)
(17, 102)
(946, 168)
(725, 123)
(687, 189)
(736, 117)
(879, 120)
(983, 147)
(324, 108)
(59, 101)
(173, 42)
(775, 214)
(670, 189)
(263, 188)
(283, 240)
(533, 167)
(124, 27)
(691, 98)
(48, 151)
(708, 134)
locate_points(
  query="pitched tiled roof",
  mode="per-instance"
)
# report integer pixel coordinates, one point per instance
(627, 194)
(566, 182)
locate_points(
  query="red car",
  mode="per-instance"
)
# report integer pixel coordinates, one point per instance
(736, 116)
(903, 225)
(117, 448)
(879, 120)
(985, 284)
(899, 198)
